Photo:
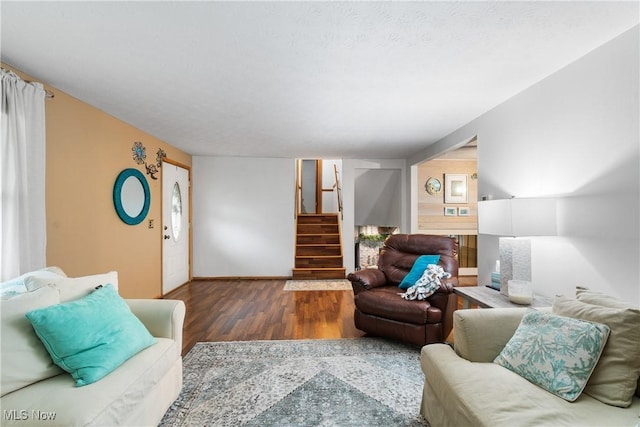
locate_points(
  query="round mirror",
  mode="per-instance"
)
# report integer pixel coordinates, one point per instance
(131, 196)
(176, 211)
(433, 186)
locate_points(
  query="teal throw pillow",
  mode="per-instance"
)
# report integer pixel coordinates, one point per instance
(555, 352)
(91, 336)
(419, 266)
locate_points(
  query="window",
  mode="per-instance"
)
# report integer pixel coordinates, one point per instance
(176, 212)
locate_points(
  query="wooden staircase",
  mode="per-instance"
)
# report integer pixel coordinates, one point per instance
(318, 248)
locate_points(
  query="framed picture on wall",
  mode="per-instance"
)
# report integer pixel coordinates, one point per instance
(450, 211)
(463, 211)
(455, 188)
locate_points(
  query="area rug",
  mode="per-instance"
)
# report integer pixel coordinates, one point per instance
(317, 285)
(346, 382)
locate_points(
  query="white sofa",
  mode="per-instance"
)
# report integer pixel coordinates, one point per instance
(137, 393)
(464, 388)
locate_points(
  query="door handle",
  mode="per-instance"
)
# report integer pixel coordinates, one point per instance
(166, 237)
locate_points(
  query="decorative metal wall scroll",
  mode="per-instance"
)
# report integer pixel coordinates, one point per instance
(140, 157)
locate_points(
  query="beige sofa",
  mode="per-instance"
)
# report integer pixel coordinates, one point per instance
(137, 393)
(464, 388)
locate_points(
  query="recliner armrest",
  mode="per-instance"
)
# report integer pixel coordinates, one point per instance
(481, 334)
(447, 285)
(163, 318)
(366, 279)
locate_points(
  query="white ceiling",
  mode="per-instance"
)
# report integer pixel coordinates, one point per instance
(301, 79)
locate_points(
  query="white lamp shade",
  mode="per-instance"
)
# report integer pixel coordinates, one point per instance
(494, 217)
(518, 217)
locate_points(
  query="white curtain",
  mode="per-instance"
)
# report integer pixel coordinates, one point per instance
(22, 177)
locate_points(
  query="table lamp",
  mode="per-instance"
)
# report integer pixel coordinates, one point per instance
(514, 220)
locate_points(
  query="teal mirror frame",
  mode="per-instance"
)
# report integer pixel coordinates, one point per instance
(117, 196)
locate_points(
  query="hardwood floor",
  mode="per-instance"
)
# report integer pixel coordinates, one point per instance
(245, 310)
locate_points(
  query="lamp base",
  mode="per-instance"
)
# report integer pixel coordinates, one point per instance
(515, 261)
(520, 292)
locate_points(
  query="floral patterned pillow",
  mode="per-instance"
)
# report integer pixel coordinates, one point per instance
(555, 352)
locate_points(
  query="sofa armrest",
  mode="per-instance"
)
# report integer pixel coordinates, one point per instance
(163, 318)
(366, 279)
(481, 334)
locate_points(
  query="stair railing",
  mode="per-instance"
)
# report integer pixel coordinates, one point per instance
(336, 185)
(298, 190)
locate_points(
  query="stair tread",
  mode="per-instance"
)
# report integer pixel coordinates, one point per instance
(318, 256)
(318, 244)
(318, 250)
(327, 273)
(318, 247)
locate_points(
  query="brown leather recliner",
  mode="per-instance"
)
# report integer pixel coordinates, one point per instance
(382, 312)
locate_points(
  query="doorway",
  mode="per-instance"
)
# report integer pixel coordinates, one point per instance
(311, 183)
(439, 213)
(176, 236)
(318, 187)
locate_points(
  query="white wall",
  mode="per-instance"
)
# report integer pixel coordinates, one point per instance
(308, 184)
(377, 197)
(574, 134)
(243, 222)
(330, 198)
(351, 168)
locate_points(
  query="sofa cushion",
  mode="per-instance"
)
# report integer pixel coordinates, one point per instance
(554, 352)
(597, 298)
(17, 286)
(418, 268)
(24, 359)
(12, 288)
(108, 402)
(104, 334)
(474, 341)
(614, 379)
(72, 288)
(55, 269)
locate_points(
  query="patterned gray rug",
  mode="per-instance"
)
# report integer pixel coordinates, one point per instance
(347, 382)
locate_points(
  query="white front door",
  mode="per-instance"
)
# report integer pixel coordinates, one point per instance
(175, 226)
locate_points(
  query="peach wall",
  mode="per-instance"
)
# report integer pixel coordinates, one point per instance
(86, 150)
